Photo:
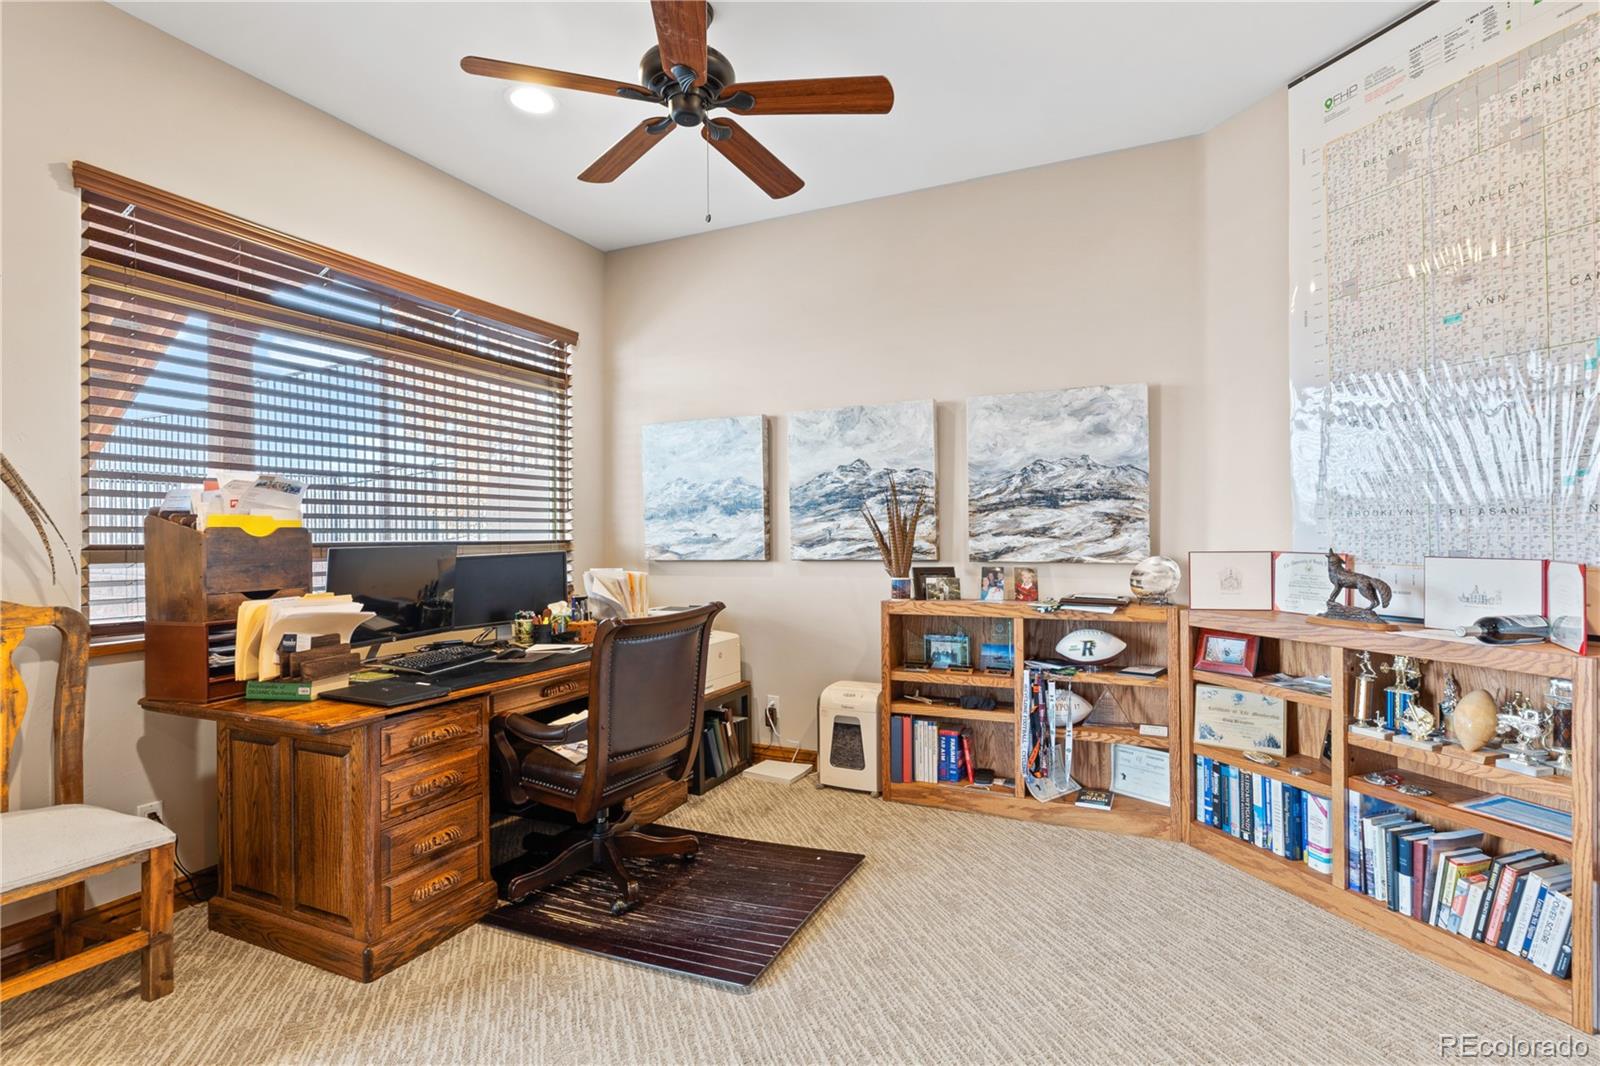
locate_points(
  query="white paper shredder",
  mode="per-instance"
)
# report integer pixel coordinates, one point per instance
(847, 735)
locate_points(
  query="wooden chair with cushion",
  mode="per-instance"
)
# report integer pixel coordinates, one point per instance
(647, 677)
(57, 848)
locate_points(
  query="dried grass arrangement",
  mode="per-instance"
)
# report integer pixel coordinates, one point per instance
(900, 541)
(33, 507)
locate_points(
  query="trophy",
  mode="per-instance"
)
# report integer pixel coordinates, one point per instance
(1558, 702)
(1400, 695)
(1447, 707)
(1365, 708)
(1419, 724)
(1519, 718)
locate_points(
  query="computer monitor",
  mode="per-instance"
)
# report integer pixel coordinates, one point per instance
(409, 586)
(493, 588)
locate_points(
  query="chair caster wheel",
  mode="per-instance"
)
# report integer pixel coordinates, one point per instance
(620, 907)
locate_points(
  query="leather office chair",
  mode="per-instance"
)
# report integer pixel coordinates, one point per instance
(647, 681)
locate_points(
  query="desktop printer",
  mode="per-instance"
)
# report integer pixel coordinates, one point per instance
(722, 670)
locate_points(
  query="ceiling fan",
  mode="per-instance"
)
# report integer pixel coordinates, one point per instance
(692, 80)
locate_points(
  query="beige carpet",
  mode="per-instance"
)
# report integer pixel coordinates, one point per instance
(962, 939)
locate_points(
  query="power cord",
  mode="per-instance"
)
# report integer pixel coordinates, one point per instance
(770, 716)
(193, 892)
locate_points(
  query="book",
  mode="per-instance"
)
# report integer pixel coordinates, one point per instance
(896, 750)
(1474, 887)
(1457, 865)
(1513, 909)
(1534, 883)
(1497, 871)
(1375, 853)
(1359, 807)
(1318, 833)
(1440, 844)
(1551, 882)
(1095, 798)
(1389, 840)
(1554, 926)
(1504, 894)
(949, 754)
(966, 756)
(1406, 883)
(280, 690)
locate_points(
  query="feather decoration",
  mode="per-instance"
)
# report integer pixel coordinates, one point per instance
(34, 508)
(898, 544)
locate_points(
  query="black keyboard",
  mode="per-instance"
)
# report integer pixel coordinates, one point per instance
(438, 660)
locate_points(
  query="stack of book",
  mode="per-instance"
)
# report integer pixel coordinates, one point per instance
(1289, 822)
(1519, 902)
(923, 749)
(719, 744)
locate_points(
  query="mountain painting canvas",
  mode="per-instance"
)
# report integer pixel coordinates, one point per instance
(842, 458)
(705, 489)
(1059, 476)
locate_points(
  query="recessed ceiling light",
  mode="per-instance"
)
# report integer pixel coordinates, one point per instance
(532, 99)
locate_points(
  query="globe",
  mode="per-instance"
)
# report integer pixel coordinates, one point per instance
(1153, 580)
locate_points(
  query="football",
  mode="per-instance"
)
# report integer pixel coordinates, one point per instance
(1076, 706)
(1090, 646)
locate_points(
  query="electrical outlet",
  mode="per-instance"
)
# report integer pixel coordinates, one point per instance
(772, 704)
(145, 810)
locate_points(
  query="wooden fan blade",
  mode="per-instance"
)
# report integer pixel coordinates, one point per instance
(557, 79)
(815, 96)
(626, 152)
(758, 164)
(681, 32)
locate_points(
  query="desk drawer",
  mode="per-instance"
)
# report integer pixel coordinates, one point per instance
(431, 885)
(428, 837)
(431, 730)
(525, 698)
(412, 788)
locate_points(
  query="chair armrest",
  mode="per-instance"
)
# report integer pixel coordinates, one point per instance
(535, 732)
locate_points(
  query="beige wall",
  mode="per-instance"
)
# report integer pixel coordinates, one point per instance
(85, 81)
(1164, 264)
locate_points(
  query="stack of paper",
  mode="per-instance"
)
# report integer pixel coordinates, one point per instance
(615, 593)
(263, 625)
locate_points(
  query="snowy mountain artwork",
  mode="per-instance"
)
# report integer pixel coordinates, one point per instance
(842, 458)
(1060, 476)
(705, 489)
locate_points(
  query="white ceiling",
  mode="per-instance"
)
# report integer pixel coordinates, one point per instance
(980, 88)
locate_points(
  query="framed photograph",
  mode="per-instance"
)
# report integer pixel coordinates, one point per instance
(1243, 721)
(946, 651)
(1458, 592)
(1227, 653)
(1564, 588)
(941, 587)
(1026, 587)
(1300, 582)
(996, 657)
(992, 584)
(920, 575)
(1142, 773)
(1230, 581)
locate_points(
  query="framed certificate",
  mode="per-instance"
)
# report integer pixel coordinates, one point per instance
(1244, 721)
(1564, 589)
(1458, 592)
(1230, 581)
(1142, 773)
(1300, 582)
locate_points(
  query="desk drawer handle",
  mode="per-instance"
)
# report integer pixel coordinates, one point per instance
(442, 839)
(437, 784)
(434, 887)
(560, 688)
(435, 736)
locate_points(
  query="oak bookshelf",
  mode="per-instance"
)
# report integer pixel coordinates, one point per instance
(1151, 634)
(1291, 643)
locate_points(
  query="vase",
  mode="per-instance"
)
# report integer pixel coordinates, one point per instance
(899, 588)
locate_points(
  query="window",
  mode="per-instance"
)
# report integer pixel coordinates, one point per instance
(412, 413)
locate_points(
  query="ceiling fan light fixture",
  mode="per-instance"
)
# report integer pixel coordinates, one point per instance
(531, 100)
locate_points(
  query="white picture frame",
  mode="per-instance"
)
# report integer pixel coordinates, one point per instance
(1142, 773)
(1458, 591)
(1230, 581)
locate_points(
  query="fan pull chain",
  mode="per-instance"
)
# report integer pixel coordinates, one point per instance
(708, 183)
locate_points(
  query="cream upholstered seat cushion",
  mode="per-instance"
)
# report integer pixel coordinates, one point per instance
(47, 842)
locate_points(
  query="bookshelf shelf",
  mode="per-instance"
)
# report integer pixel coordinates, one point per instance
(1111, 679)
(1118, 734)
(1319, 780)
(1553, 791)
(1266, 688)
(954, 679)
(933, 710)
(1291, 644)
(1442, 806)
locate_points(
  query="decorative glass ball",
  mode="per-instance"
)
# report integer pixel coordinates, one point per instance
(1155, 579)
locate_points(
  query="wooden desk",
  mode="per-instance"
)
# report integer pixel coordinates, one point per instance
(355, 838)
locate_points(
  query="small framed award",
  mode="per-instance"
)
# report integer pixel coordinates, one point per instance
(1227, 653)
(1230, 581)
(1243, 721)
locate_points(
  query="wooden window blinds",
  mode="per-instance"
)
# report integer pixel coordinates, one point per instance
(210, 343)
